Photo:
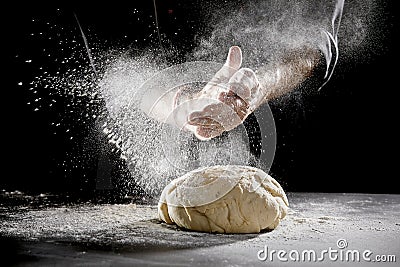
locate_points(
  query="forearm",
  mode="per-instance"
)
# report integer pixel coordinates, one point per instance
(284, 76)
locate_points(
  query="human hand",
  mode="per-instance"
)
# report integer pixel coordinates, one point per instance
(225, 102)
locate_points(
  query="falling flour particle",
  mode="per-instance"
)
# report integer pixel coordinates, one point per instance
(263, 29)
(155, 152)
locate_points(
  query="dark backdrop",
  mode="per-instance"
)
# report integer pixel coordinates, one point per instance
(341, 139)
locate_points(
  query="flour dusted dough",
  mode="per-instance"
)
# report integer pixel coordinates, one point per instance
(224, 199)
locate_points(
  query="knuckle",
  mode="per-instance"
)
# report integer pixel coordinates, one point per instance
(247, 77)
(248, 72)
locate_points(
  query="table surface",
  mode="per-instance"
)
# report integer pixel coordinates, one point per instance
(130, 235)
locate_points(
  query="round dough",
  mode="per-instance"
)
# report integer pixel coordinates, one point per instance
(224, 199)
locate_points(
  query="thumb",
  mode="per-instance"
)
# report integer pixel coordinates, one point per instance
(234, 59)
(232, 64)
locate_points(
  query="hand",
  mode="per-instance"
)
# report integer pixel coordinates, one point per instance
(225, 102)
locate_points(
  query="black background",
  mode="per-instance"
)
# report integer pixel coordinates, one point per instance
(341, 139)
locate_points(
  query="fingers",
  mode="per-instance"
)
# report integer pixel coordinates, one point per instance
(240, 90)
(234, 59)
(207, 117)
(220, 113)
(236, 103)
(209, 132)
(203, 126)
(244, 83)
(203, 121)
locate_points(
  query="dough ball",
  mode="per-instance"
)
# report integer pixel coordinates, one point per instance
(224, 199)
